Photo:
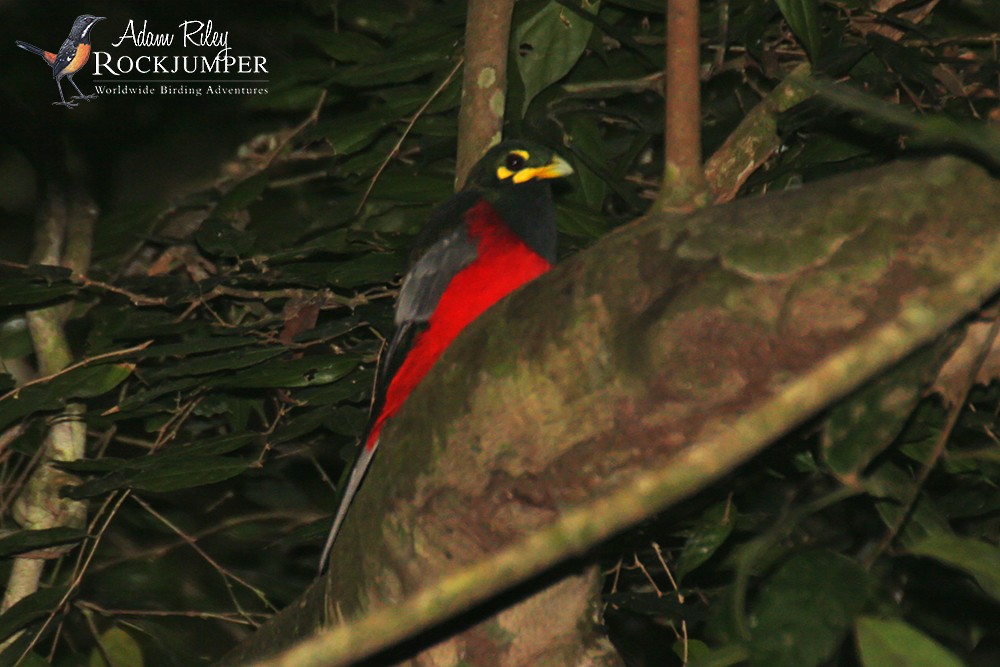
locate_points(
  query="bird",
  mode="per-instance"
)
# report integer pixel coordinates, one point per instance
(493, 236)
(70, 58)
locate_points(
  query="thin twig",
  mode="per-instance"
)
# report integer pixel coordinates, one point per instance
(670, 576)
(85, 281)
(207, 615)
(13, 393)
(76, 580)
(11, 434)
(617, 571)
(309, 120)
(608, 87)
(680, 600)
(96, 636)
(954, 411)
(409, 126)
(169, 430)
(226, 574)
(291, 520)
(652, 582)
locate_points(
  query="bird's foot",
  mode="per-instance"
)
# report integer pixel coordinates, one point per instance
(64, 103)
(85, 97)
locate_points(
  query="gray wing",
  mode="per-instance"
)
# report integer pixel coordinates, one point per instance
(427, 280)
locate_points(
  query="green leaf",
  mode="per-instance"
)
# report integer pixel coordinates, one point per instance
(892, 487)
(330, 330)
(22, 541)
(979, 559)
(306, 422)
(931, 130)
(803, 19)
(142, 398)
(213, 363)
(304, 372)
(117, 646)
(32, 659)
(353, 386)
(412, 188)
(91, 381)
(218, 237)
(194, 346)
(907, 62)
(860, 428)
(396, 70)
(187, 474)
(581, 222)
(177, 468)
(374, 19)
(92, 466)
(242, 195)
(353, 133)
(293, 95)
(893, 643)
(364, 270)
(973, 501)
(33, 607)
(549, 43)
(805, 609)
(648, 6)
(645, 604)
(15, 341)
(83, 382)
(709, 533)
(27, 291)
(586, 141)
(348, 47)
(166, 475)
(700, 655)
(223, 444)
(432, 37)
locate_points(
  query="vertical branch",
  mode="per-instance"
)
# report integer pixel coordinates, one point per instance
(64, 238)
(683, 181)
(484, 81)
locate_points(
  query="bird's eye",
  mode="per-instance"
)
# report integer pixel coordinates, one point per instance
(514, 162)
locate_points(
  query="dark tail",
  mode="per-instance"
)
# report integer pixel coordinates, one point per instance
(30, 48)
(353, 483)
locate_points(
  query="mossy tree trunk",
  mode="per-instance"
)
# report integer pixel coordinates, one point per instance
(636, 373)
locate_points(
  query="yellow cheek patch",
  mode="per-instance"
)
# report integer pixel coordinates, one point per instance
(503, 173)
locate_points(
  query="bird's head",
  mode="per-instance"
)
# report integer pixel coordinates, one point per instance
(514, 163)
(514, 178)
(85, 22)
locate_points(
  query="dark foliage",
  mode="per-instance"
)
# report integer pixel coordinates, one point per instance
(245, 264)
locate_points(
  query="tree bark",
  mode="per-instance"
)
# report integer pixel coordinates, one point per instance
(64, 238)
(636, 373)
(484, 82)
(684, 188)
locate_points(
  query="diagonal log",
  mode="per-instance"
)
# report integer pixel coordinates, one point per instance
(635, 374)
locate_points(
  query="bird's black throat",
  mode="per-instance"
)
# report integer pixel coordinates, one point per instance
(528, 210)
